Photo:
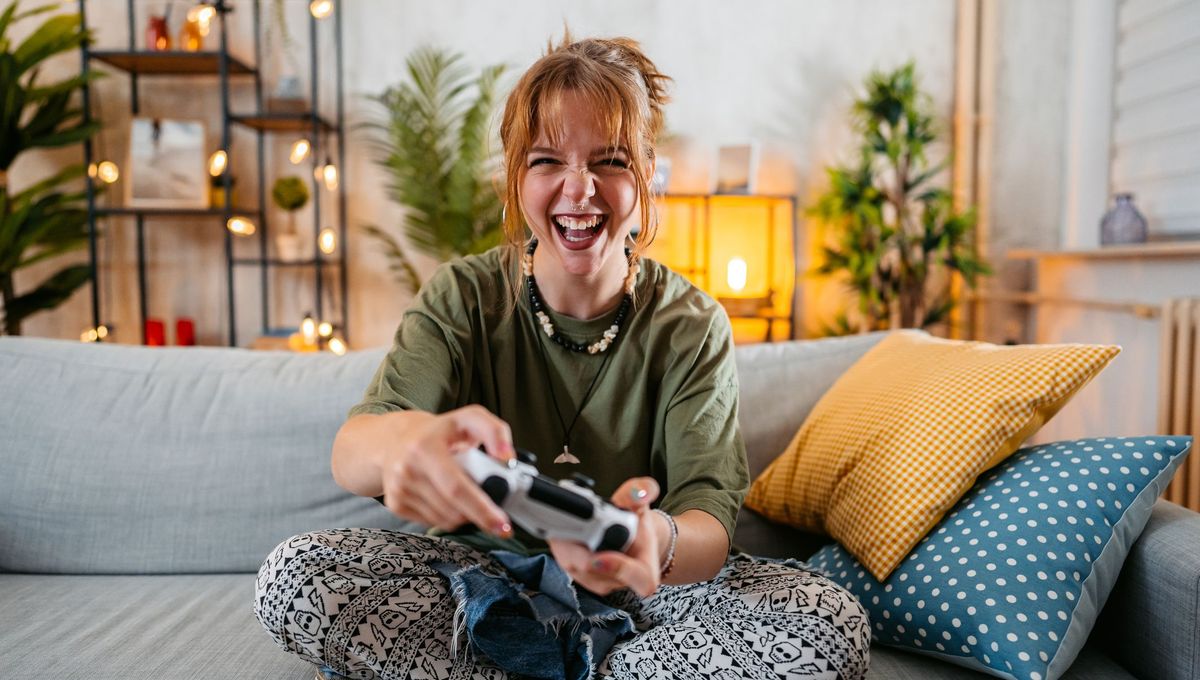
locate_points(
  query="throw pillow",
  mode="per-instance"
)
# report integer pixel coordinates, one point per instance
(907, 430)
(1011, 581)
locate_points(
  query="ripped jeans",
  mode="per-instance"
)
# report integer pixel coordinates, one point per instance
(367, 604)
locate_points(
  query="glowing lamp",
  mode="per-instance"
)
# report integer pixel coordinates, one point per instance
(320, 8)
(327, 240)
(337, 346)
(736, 274)
(218, 162)
(240, 226)
(300, 151)
(325, 329)
(105, 171)
(308, 329)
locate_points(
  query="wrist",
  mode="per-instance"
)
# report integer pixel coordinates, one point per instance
(668, 535)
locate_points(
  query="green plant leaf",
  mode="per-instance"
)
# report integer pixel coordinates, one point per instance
(52, 292)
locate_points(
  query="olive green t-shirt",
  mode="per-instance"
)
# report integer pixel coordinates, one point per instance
(665, 405)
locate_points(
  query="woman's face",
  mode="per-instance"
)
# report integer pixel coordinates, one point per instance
(579, 196)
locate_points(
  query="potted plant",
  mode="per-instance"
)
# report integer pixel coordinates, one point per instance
(43, 220)
(895, 237)
(434, 144)
(290, 194)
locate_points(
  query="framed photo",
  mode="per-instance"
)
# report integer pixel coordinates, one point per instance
(166, 167)
(737, 169)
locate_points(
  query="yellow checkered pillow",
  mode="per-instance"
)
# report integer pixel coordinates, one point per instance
(904, 433)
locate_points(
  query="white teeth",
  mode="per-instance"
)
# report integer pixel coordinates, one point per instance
(572, 223)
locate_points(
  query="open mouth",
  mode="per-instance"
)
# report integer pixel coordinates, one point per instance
(580, 229)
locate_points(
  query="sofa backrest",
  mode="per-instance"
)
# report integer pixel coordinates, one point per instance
(127, 459)
(121, 459)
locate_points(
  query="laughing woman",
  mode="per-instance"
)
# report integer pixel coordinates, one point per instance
(569, 342)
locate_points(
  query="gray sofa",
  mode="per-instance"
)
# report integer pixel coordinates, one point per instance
(140, 488)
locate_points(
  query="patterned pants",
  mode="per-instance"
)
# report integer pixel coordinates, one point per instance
(364, 600)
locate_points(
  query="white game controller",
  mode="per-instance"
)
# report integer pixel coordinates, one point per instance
(567, 510)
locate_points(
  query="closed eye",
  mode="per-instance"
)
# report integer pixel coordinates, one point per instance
(540, 161)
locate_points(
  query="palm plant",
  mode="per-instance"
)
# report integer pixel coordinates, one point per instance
(434, 144)
(895, 237)
(43, 220)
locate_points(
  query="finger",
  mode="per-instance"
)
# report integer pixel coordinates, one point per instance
(476, 425)
(634, 573)
(455, 487)
(636, 493)
(445, 515)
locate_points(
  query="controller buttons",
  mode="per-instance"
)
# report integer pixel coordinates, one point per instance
(564, 499)
(496, 488)
(527, 457)
(615, 538)
(583, 480)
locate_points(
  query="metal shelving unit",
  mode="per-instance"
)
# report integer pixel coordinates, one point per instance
(139, 64)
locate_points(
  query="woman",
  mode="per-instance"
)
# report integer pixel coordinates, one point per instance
(572, 345)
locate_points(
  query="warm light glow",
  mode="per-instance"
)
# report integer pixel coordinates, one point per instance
(737, 274)
(240, 226)
(337, 346)
(325, 329)
(217, 162)
(321, 8)
(327, 240)
(330, 175)
(94, 334)
(308, 329)
(202, 16)
(300, 150)
(92, 170)
(108, 172)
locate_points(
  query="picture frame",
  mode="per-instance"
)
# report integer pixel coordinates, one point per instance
(736, 169)
(167, 165)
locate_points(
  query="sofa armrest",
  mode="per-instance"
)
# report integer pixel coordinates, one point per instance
(1150, 621)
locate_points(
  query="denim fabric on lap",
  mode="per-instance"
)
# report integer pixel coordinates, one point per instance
(1011, 581)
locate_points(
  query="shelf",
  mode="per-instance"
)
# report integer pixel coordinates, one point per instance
(276, 262)
(171, 63)
(283, 122)
(173, 212)
(1125, 252)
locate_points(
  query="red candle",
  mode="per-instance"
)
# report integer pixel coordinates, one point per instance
(185, 332)
(156, 333)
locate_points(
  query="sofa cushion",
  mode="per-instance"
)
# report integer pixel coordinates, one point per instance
(1012, 580)
(129, 459)
(907, 430)
(182, 627)
(781, 381)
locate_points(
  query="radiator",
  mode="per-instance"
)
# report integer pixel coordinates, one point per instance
(1179, 391)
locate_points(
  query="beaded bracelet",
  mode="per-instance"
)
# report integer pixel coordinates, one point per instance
(670, 550)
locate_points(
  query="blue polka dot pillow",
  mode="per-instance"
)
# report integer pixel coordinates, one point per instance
(1011, 581)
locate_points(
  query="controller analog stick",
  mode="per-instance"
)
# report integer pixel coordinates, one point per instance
(496, 488)
(615, 538)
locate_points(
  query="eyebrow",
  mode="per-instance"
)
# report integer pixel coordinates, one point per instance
(598, 152)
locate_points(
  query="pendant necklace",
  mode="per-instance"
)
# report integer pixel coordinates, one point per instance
(601, 346)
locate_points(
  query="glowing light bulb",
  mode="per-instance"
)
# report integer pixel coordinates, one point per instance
(327, 240)
(108, 172)
(337, 346)
(92, 170)
(90, 335)
(330, 174)
(325, 329)
(240, 226)
(300, 151)
(308, 328)
(736, 274)
(202, 16)
(102, 331)
(321, 8)
(218, 162)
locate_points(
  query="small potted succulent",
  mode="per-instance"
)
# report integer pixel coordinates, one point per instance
(289, 194)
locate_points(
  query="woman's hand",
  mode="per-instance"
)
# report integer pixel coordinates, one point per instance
(605, 571)
(423, 482)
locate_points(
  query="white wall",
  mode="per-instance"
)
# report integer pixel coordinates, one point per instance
(784, 72)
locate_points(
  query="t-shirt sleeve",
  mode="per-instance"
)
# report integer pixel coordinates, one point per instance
(705, 455)
(424, 368)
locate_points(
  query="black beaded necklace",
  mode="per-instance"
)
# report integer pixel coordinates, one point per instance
(538, 309)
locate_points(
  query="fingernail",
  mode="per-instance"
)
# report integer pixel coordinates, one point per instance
(599, 565)
(504, 529)
(638, 493)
